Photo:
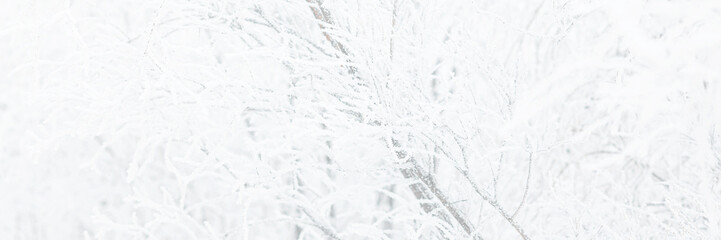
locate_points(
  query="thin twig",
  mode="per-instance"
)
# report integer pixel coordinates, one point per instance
(525, 191)
(495, 205)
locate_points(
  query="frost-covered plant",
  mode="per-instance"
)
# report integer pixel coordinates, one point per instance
(390, 119)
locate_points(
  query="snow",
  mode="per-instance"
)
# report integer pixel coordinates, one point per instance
(389, 119)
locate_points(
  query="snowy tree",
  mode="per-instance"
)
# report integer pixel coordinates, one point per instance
(388, 119)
